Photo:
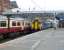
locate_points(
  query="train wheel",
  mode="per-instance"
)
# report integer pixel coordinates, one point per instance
(11, 35)
(4, 36)
(18, 34)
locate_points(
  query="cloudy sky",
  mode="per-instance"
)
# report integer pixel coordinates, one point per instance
(41, 4)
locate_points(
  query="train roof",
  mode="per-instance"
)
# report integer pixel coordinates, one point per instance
(17, 18)
(5, 18)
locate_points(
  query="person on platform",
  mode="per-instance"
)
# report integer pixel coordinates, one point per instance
(55, 23)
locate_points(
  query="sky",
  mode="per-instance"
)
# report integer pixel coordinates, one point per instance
(38, 5)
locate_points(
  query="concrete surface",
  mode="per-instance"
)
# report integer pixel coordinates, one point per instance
(49, 39)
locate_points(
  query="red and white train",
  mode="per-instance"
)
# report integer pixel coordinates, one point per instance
(13, 27)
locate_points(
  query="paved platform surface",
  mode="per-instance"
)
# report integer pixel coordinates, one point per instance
(49, 39)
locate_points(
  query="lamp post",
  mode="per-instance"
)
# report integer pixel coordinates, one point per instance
(8, 17)
(8, 14)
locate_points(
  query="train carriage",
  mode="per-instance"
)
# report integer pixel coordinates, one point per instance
(13, 28)
(16, 24)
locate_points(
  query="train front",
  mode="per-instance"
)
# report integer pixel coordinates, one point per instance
(36, 25)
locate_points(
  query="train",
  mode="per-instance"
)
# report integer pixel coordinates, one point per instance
(37, 24)
(13, 27)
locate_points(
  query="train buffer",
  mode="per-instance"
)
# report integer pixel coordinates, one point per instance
(49, 39)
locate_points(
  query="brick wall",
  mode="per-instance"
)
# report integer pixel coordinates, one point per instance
(4, 5)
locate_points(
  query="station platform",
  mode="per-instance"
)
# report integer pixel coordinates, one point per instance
(49, 39)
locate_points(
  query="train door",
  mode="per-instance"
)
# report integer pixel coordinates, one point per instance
(22, 25)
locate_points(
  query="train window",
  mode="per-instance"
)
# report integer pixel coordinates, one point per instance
(2, 23)
(18, 23)
(13, 23)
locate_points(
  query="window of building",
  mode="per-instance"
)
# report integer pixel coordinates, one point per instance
(2, 23)
(13, 23)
